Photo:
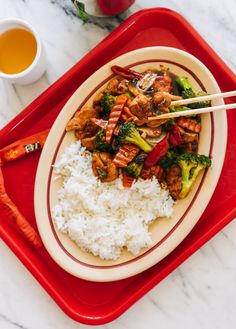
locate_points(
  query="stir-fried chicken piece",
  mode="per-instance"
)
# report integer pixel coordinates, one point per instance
(88, 142)
(156, 123)
(174, 180)
(137, 121)
(191, 147)
(190, 141)
(188, 137)
(112, 86)
(163, 83)
(140, 106)
(81, 118)
(89, 130)
(98, 98)
(162, 100)
(154, 171)
(103, 167)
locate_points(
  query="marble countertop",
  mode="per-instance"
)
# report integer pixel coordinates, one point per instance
(201, 292)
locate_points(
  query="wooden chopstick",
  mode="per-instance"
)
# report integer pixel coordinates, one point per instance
(203, 98)
(193, 112)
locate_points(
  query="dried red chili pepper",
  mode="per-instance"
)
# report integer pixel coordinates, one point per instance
(126, 73)
(23, 146)
(175, 138)
(157, 153)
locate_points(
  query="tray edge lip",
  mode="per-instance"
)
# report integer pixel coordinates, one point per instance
(112, 315)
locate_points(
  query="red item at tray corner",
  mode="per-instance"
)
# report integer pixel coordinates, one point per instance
(98, 303)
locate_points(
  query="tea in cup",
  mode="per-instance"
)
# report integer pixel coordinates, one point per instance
(22, 59)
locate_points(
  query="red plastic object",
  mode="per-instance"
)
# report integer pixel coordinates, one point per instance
(91, 302)
(114, 7)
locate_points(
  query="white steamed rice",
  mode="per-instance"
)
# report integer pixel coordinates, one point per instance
(103, 218)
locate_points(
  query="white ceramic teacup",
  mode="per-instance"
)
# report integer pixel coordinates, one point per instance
(37, 67)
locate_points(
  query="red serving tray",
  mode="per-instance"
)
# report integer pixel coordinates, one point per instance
(98, 303)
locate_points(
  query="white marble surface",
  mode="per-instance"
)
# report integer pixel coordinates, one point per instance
(201, 292)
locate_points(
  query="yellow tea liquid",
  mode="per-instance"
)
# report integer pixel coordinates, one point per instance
(18, 49)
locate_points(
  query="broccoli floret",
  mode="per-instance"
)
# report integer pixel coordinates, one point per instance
(107, 103)
(168, 125)
(186, 87)
(191, 165)
(185, 108)
(100, 142)
(129, 134)
(179, 108)
(168, 159)
(188, 92)
(200, 104)
(134, 169)
(140, 158)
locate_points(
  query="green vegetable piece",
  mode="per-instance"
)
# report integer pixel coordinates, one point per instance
(128, 93)
(188, 92)
(81, 13)
(134, 169)
(191, 165)
(107, 103)
(200, 104)
(140, 158)
(100, 142)
(102, 173)
(179, 108)
(168, 159)
(168, 125)
(186, 87)
(129, 134)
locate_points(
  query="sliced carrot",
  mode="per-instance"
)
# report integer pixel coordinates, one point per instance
(115, 115)
(127, 179)
(12, 213)
(116, 130)
(125, 155)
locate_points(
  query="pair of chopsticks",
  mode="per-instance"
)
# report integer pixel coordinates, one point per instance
(200, 110)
